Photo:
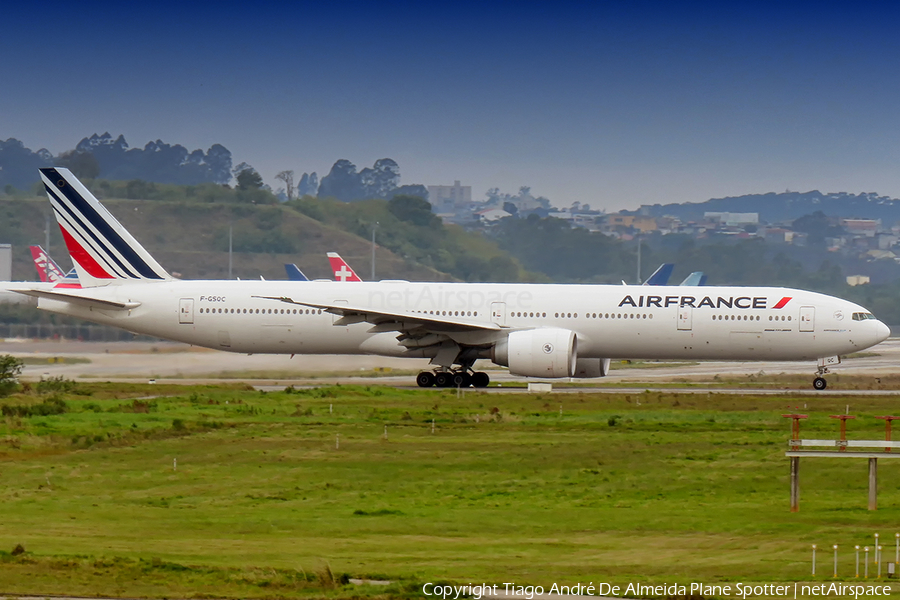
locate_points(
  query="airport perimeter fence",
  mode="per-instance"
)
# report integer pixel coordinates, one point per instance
(81, 333)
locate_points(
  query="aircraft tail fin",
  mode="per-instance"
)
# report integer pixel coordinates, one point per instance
(101, 248)
(294, 273)
(661, 275)
(695, 278)
(342, 271)
(47, 269)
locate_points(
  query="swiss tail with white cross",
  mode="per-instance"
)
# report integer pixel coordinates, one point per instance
(342, 271)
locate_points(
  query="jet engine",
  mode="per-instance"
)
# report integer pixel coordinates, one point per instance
(545, 352)
(591, 367)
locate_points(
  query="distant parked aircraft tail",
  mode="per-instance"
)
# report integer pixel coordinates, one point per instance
(48, 270)
(294, 273)
(695, 278)
(661, 275)
(342, 271)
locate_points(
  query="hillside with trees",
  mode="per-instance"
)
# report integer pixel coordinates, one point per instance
(102, 156)
(190, 237)
(787, 206)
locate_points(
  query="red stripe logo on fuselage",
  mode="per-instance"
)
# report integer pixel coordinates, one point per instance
(782, 302)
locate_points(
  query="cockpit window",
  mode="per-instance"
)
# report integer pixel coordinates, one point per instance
(861, 316)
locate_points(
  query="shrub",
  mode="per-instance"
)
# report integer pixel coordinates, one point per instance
(51, 406)
(59, 385)
(10, 368)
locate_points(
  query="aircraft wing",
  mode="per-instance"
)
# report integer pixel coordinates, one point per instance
(387, 320)
(78, 299)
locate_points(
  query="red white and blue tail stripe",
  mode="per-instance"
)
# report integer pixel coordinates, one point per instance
(101, 248)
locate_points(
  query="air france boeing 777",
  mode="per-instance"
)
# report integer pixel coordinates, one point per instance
(537, 330)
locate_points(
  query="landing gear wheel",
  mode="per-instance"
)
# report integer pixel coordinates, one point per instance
(460, 380)
(425, 379)
(819, 383)
(443, 379)
(480, 379)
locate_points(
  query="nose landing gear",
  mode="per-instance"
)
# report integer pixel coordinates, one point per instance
(819, 382)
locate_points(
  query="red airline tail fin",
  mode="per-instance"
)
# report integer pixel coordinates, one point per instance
(342, 271)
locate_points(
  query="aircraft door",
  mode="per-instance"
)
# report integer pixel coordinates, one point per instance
(334, 318)
(186, 311)
(685, 318)
(498, 313)
(807, 318)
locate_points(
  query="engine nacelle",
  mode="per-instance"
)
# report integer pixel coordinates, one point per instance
(591, 367)
(545, 352)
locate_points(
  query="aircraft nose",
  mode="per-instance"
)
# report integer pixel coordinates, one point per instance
(882, 332)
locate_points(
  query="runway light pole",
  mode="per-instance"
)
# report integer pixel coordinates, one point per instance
(835, 560)
(374, 228)
(857, 561)
(230, 236)
(814, 560)
(639, 259)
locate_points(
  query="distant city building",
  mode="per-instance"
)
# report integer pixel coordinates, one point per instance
(5, 262)
(880, 254)
(492, 214)
(447, 198)
(886, 241)
(866, 227)
(731, 219)
(639, 222)
(857, 279)
(779, 235)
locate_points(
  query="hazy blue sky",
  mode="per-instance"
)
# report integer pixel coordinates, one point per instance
(610, 104)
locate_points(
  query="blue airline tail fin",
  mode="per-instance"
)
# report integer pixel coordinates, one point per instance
(661, 275)
(294, 273)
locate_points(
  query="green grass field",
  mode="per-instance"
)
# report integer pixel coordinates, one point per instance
(176, 491)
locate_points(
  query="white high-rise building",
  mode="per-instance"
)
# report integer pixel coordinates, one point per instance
(447, 198)
(5, 262)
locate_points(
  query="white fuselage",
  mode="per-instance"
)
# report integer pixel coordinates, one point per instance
(610, 321)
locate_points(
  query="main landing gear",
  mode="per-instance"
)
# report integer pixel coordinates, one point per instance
(460, 378)
(819, 383)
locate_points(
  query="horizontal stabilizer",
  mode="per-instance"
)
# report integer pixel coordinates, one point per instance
(79, 299)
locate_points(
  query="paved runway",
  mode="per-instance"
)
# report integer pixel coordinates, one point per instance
(165, 361)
